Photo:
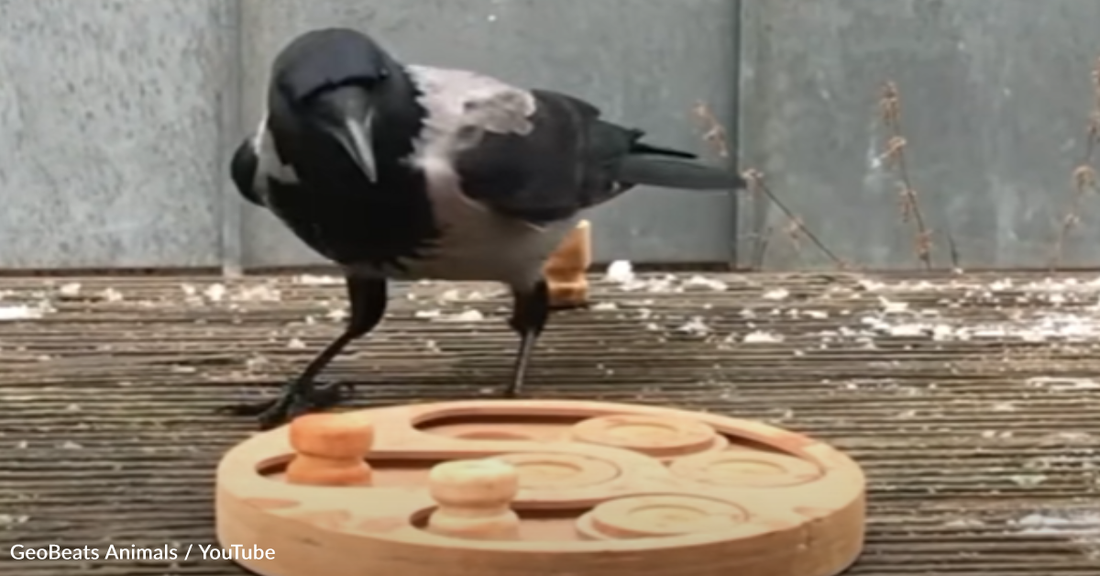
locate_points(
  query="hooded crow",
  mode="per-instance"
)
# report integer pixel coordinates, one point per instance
(406, 172)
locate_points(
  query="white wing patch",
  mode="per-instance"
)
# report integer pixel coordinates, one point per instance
(462, 105)
(270, 164)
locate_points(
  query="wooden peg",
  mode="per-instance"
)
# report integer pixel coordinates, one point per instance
(330, 450)
(474, 500)
(567, 268)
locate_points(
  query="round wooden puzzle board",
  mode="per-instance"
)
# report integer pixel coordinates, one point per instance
(599, 487)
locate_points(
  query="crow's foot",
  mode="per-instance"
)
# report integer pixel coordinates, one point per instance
(294, 400)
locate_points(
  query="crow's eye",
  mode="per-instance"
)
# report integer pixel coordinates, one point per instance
(365, 82)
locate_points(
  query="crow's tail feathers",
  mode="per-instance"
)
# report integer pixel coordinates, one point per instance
(643, 148)
(667, 168)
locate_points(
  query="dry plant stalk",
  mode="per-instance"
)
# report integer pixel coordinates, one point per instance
(890, 113)
(1084, 176)
(715, 135)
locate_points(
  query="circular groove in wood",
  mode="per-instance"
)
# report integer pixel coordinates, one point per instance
(654, 516)
(549, 471)
(661, 437)
(745, 468)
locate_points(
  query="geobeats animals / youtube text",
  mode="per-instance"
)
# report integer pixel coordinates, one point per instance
(54, 552)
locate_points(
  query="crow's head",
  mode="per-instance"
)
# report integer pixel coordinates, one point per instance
(325, 83)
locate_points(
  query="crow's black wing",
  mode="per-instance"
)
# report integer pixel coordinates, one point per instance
(562, 165)
(242, 170)
(571, 160)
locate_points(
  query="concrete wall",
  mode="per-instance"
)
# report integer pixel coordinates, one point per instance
(995, 94)
(117, 118)
(110, 127)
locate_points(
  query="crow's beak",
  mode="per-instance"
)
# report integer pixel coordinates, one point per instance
(355, 138)
(350, 117)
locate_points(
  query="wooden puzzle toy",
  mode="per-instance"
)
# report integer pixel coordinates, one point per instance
(520, 487)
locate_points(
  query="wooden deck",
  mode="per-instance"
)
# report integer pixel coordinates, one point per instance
(967, 399)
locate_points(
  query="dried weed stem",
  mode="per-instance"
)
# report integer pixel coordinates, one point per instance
(1084, 176)
(715, 135)
(890, 113)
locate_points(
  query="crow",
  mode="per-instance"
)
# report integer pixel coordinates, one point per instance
(398, 171)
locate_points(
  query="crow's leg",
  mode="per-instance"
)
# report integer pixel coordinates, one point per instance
(368, 299)
(529, 314)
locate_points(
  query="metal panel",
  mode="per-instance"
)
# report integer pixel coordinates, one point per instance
(644, 62)
(109, 132)
(995, 95)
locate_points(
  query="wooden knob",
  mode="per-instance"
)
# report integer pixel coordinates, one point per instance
(330, 450)
(339, 435)
(487, 483)
(474, 498)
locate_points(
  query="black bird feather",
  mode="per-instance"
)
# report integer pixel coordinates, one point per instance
(572, 160)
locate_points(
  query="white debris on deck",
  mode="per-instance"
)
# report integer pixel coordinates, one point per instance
(1082, 528)
(1041, 311)
(19, 312)
(620, 271)
(12, 311)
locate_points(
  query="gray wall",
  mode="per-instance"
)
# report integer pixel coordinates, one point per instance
(117, 118)
(996, 97)
(110, 131)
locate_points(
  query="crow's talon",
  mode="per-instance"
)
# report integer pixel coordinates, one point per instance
(293, 401)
